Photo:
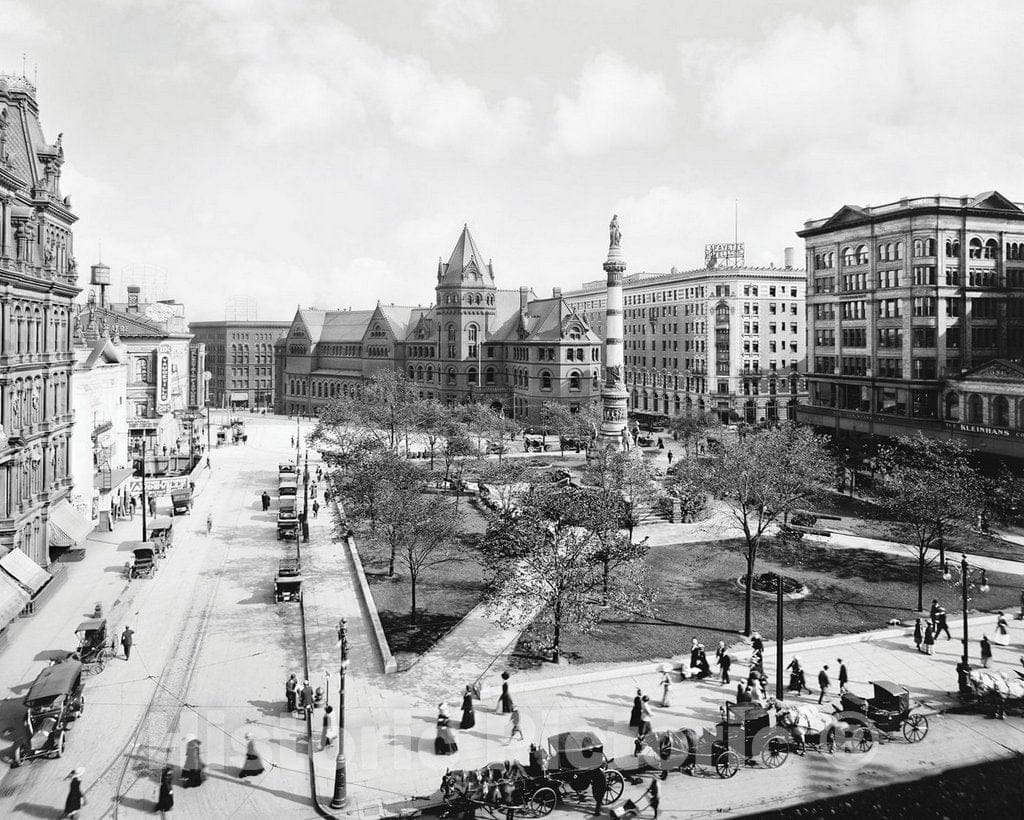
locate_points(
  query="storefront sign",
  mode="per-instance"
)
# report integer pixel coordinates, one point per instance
(982, 430)
(163, 366)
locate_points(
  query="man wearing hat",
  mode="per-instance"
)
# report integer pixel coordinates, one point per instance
(73, 802)
(127, 641)
(306, 698)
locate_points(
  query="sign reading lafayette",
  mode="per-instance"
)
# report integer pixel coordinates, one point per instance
(983, 430)
(724, 255)
(163, 366)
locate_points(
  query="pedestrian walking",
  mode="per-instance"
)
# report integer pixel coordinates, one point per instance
(207, 467)
(933, 611)
(1002, 631)
(634, 715)
(703, 667)
(316, 508)
(694, 652)
(669, 454)
(918, 634)
(661, 444)
(823, 683)
(329, 732)
(127, 639)
(940, 624)
(306, 698)
(192, 771)
(292, 440)
(724, 662)
(75, 800)
(756, 662)
(516, 728)
(165, 797)
(152, 505)
(645, 716)
(505, 699)
(265, 498)
(843, 677)
(598, 788)
(253, 762)
(986, 651)
(468, 714)
(444, 743)
(654, 795)
(797, 678)
(131, 507)
(757, 642)
(291, 688)
(209, 523)
(929, 639)
(666, 685)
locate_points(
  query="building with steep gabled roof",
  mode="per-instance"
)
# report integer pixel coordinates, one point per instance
(475, 343)
(39, 282)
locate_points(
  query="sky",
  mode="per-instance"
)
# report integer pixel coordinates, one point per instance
(327, 152)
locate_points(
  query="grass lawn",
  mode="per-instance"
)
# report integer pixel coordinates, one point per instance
(444, 593)
(850, 591)
(862, 517)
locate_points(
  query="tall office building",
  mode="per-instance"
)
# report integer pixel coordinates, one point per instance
(915, 320)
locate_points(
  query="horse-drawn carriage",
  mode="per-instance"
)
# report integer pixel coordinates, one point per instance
(143, 563)
(93, 645)
(888, 711)
(54, 700)
(809, 727)
(997, 691)
(161, 534)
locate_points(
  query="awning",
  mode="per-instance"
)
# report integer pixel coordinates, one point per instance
(239, 397)
(12, 600)
(25, 571)
(67, 526)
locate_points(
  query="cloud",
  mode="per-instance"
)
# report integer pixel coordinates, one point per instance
(464, 19)
(21, 22)
(616, 104)
(304, 76)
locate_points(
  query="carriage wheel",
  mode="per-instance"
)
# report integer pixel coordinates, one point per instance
(59, 749)
(16, 757)
(615, 785)
(727, 763)
(863, 740)
(915, 727)
(542, 802)
(774, 752)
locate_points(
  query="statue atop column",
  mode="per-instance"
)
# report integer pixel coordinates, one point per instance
(615, 234)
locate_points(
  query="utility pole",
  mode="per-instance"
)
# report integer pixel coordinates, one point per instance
(779, 689)
(142, 447)
(305, 499)
(340, 786)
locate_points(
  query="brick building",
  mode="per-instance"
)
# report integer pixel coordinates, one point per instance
(240, 358)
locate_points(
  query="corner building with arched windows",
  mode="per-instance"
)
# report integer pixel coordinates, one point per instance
(507, 349)
(915, 320)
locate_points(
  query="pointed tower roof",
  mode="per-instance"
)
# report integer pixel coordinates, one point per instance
(466, 263)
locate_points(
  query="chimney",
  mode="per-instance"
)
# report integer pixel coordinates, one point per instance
(524, 297)
(556, 293)
(787, 255)
(133, 298)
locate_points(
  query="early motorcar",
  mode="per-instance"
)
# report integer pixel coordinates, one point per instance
(55, 699)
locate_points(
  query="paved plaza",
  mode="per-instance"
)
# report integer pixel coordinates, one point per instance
(213, 651)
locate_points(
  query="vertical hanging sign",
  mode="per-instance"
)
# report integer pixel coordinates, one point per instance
(163, 367)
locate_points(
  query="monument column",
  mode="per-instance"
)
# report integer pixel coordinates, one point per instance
(613, 394)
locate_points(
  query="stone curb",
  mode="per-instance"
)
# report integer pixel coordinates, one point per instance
(650, 667)
(389, 663)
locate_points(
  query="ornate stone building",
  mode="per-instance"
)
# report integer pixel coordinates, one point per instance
(38, 279)
(477, 343)
(915, 317)
(240, 358)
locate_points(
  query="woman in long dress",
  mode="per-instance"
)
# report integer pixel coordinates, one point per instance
(73, 802)
(505, 701)
(634, 715)
(329, 732)
(468, 715)
(165, 800)
(666, 685)
(445, 743)
(253, 762)
(192, 771)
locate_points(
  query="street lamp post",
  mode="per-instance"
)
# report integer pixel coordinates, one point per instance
(305, 499)
(779, 689)
(964, 667)
(340, 784)
(142, 449)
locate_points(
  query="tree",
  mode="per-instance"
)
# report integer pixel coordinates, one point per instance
(626, 474)
(578, 425)
(385, 410)
(605, 514)
(928, 485)
(685, 485)
(506, 477)
(692, 428)
(544, 561)
(764, 477)
(481, 422)
(434, 421)
(426, 529)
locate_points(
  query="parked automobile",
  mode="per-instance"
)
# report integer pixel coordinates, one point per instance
(55, 699)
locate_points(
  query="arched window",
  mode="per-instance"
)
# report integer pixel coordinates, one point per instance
(597, 379)
(952, 407)
(451, 333)
(430, 373)
(545, 380)
(929, 247)
(574, 380)
(918, 247)
(471, 377)
(722, 312)
(489, 375)
(1000, 411)
(862, 255)
(952, 247)
(974, 413)
(419, 373)
(451, 375)
(412, 373)
(898, 251)
(974, 248)
(848, 257)
(141, 370)
(992, 249)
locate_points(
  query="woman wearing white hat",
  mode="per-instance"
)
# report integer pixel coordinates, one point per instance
(74, 801)
(253, 763)
(192, 771)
